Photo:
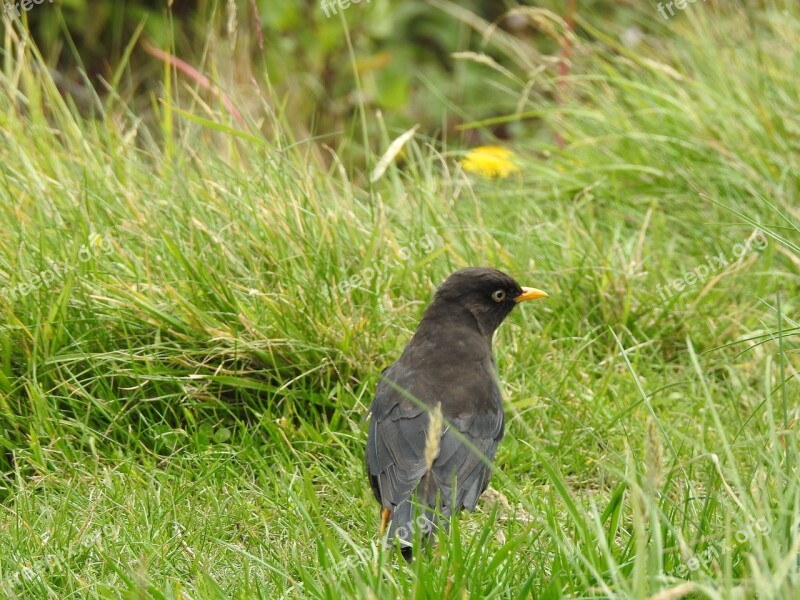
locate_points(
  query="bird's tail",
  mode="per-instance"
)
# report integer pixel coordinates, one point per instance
(408, 522)
(417, 518)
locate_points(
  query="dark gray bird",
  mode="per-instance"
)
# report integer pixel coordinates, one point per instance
(444, 382)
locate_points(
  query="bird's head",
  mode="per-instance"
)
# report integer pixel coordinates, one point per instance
(488, 294)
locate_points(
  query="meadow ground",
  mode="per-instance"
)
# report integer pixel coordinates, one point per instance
(184, 375)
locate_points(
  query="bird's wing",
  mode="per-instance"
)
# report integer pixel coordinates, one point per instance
(396, 451)
(462, 470)
(396, 446)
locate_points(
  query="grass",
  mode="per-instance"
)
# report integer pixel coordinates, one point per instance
(183, 411)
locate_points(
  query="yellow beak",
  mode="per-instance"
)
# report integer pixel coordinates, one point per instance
(530, 294)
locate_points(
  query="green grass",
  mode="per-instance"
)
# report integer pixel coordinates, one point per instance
(182, 412)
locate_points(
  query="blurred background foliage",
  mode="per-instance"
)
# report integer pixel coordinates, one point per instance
(468, 73)
(428, 62)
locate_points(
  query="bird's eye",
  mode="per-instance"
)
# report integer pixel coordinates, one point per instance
(499, 295)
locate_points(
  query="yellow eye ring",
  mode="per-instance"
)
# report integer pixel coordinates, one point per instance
(499, 295)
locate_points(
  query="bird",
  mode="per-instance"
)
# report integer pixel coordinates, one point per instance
(437, 415)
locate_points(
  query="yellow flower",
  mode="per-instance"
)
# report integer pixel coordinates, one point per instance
(490, 161)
